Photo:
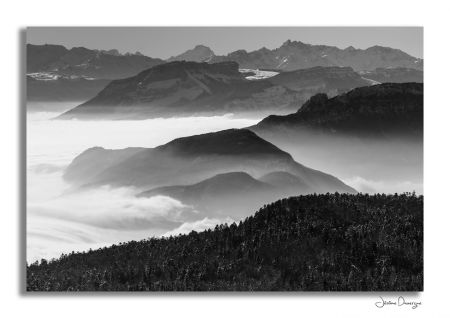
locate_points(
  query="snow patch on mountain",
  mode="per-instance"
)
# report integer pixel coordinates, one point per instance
(259, 74)
(370, 81)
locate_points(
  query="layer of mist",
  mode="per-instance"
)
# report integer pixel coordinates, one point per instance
(61, 219)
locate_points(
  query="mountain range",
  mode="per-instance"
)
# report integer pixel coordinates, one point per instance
(56, 66)
(293, 55)
(83, 62)
(190, 88)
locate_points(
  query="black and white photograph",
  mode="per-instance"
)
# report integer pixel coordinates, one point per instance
(224, 159)
(197, 158)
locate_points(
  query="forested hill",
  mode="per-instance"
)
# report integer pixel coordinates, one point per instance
(332, 242)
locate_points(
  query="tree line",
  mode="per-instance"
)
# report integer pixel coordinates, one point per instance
(317, 242)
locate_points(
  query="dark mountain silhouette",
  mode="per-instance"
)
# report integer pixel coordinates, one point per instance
(189, 88)
(394, 75)
(330, 242)
(191, 160)
(293, 55)
(388, 108)
(83, 62)
(199, 53)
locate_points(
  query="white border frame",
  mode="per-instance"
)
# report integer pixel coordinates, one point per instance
(432, 15)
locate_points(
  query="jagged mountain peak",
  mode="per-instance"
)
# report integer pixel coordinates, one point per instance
(292, 55)
(200, 53)
(290, 43)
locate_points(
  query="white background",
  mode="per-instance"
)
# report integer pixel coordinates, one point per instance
(433, 15)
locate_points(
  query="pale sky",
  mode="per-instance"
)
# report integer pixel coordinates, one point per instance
(164, 42)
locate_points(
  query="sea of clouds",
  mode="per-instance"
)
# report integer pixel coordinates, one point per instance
(61, 219)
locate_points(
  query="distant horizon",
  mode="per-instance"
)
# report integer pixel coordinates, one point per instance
(224, 40)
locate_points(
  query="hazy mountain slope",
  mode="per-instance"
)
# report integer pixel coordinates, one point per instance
(332, 242)
(189, 88)
(199, 53)
(87, 165)
(224, 195)
(293, 55)
(192, 159)
(371, 137)
(286, 181)
(233, 194)
(221, 185)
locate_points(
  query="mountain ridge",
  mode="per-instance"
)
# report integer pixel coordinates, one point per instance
(292, 55)
(377, 108)
(189, 88)
(83, 62)
(190, 160)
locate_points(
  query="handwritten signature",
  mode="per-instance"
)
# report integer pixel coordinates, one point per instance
(400, 301)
